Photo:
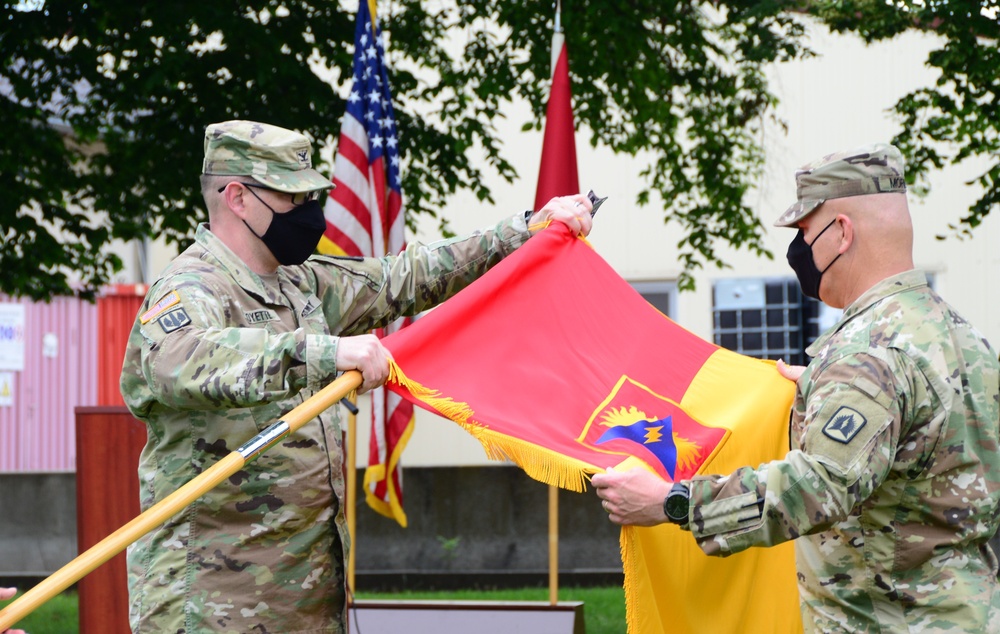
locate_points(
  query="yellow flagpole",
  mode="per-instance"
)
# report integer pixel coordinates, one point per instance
(169, 506)
(352, 449)
(553, 490)
(352, 497)
(553, 544)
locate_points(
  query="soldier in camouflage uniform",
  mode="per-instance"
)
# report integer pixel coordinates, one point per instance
(240, 329)
(892, 485)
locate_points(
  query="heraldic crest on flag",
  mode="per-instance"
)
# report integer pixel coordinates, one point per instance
(636, 421)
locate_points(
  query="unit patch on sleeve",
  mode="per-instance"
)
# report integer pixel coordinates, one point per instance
(171, 299)
(173, 320)
(844, 425)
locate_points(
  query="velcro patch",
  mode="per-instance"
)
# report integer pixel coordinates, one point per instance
(844, 425)
(312, 303)
(170, 300)
(259, 316)
(173, 320)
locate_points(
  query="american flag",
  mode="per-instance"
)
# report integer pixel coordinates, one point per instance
(364, 217)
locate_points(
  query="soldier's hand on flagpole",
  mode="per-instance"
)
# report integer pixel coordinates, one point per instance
(366, 354)
(573, 211)
(632, 497)
(8, 593)
(790, 372)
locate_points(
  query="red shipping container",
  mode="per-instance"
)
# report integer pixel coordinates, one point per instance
(116, 309)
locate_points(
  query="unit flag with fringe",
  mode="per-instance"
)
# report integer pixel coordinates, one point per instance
(554, 362)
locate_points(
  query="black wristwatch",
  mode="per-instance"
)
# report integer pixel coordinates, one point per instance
(677, 503)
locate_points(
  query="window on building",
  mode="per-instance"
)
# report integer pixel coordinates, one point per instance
(662, 295)
(768, 318)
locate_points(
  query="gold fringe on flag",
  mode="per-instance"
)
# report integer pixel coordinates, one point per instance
(626, 541)
(539, 463)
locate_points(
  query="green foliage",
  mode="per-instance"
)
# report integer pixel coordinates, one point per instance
(958, 118)
(680, 82)
(449, 546)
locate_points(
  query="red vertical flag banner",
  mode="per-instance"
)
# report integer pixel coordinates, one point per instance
(605, 380)
(364, 217)
(557, 174)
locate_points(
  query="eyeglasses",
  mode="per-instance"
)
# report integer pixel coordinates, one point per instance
(298, 198)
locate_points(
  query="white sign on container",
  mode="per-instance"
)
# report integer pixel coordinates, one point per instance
(11, 336)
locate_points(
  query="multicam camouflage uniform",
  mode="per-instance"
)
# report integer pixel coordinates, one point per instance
(219, 353)
(891, 490)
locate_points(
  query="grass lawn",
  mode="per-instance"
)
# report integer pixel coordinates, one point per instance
(56, 616)
(603, 608)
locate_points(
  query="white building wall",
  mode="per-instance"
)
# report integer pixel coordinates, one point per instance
(838, 100)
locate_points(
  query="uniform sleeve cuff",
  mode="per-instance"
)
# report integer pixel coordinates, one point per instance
(321, 360)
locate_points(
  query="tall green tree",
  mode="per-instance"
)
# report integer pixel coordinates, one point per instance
(103, 104)
(957, 118)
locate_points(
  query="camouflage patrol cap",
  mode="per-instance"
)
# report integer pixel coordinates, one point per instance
(871, 169)
(278, 158)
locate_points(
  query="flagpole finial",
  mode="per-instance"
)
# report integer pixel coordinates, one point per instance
(558, 25)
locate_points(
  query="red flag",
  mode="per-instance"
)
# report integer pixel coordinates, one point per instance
(605, 380)
(364, 215)
(557, 174)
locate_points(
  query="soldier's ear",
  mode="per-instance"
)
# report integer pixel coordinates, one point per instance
(846, 233)
(234, 197)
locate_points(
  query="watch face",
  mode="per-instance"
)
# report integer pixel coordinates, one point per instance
(676, 506)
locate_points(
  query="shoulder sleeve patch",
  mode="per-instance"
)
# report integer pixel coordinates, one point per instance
(177, 318)
(172, 299)
(844, 425)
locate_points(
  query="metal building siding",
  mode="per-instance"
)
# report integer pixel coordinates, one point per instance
(116, 308)
(37, 431)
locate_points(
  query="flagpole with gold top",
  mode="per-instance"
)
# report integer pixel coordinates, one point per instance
(174, 503)
(557, 44)
(352, 453)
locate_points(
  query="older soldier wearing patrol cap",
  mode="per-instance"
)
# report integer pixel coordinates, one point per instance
(238, 330)
(892, 486)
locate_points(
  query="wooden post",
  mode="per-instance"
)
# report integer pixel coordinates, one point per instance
(553, 544)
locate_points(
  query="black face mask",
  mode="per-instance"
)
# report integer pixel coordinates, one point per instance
(800, 258)
(292, 236)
